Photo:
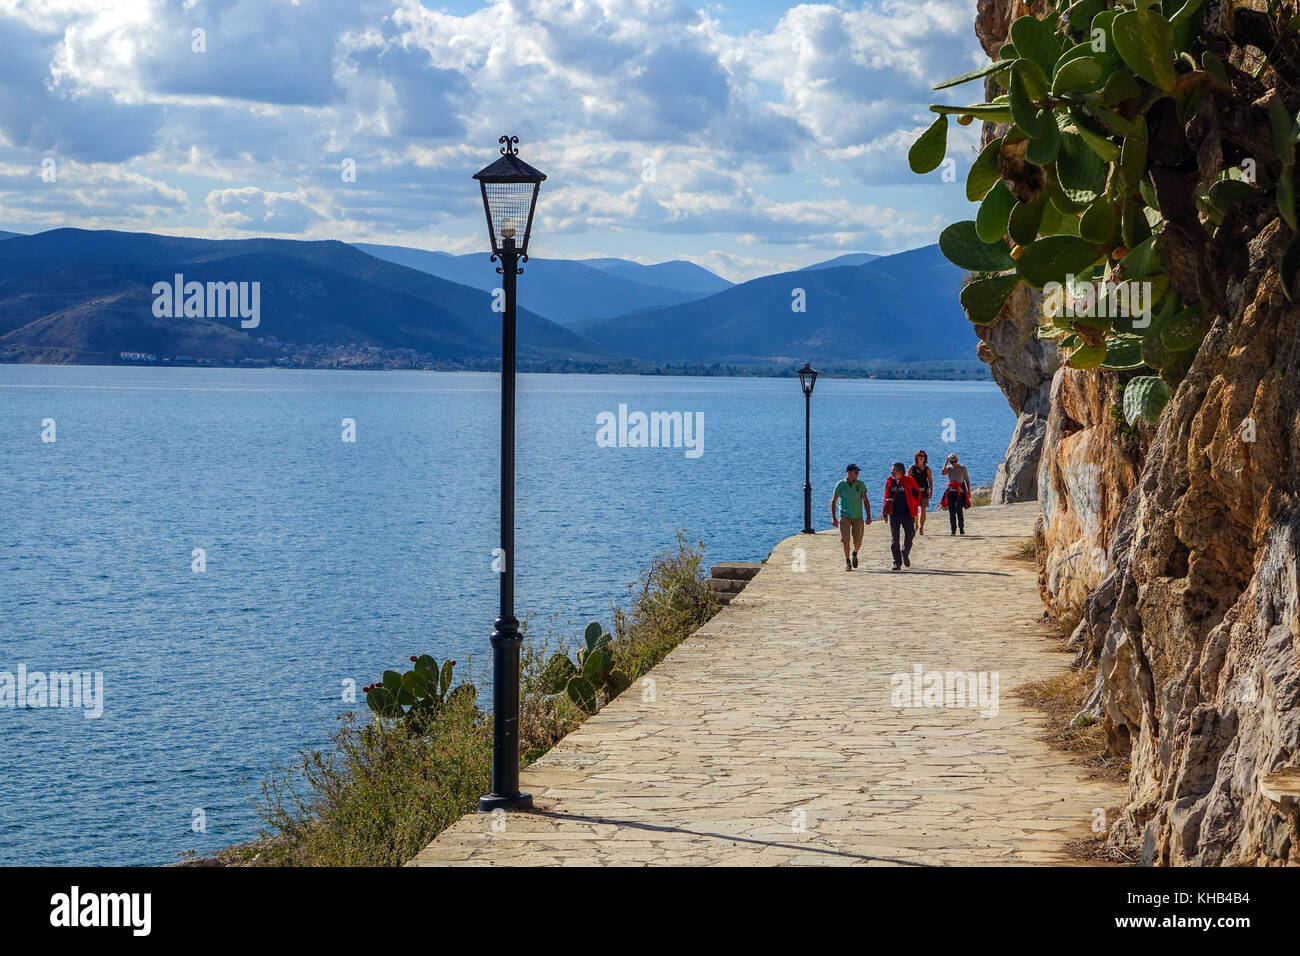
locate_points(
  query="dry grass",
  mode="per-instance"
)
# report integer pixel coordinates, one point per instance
(1061, 698)
(1066, 619)
(1026, 550)
(1094, 848)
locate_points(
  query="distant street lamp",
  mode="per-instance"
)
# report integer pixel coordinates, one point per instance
(807, 379)
(510, 188)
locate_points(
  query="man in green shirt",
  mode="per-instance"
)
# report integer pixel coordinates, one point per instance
(852, 497)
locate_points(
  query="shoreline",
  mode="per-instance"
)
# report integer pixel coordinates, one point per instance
(974, 371)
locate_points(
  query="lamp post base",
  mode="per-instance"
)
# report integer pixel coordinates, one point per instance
(521, 801)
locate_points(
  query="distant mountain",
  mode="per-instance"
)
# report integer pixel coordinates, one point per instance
(849, 259)
(78, 296)
(677, 274)
(72, 295)
(9, 235)
(563, 290)
(899, 308)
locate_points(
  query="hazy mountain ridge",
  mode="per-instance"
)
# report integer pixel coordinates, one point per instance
(674, 274)
(78, 295)
(563, 290)
(899, 308)
(848, 259)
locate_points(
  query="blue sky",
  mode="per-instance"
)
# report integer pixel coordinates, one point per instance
(749, 137)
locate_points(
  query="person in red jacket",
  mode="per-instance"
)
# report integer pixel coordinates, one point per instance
(902, 499)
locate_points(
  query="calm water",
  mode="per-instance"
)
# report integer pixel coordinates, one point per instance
(329, 561)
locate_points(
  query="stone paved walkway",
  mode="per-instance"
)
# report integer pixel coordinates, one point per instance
(770, 736)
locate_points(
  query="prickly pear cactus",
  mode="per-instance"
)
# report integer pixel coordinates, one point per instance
(418, 693)
(1136, 144)
(593, 678)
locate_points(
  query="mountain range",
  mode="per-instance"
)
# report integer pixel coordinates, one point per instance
(88, 297)
(76, 296)
(565, 290)
(848, 259)
(899, 308)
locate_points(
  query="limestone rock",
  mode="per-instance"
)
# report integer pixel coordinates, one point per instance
(1200, 668)
(1023, 366)
(1086, 473)
(1177, 550)
(1017, 476)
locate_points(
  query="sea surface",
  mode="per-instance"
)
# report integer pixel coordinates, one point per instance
(326, 561)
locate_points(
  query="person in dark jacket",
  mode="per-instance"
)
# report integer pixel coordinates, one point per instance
(902, 499)
(925, 478)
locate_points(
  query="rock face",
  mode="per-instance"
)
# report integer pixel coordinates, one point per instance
(1199, 671)
(1023, 366)
(993, 20)
(1176, 550)
(1089, 466)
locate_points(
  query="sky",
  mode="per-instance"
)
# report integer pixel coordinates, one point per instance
(749, 137)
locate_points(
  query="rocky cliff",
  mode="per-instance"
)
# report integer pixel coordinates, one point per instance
(1194, 629)
(1021, 364)
(1176, 549)
(1023, 367)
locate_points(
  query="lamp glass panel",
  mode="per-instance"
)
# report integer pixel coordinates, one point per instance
(508, 206)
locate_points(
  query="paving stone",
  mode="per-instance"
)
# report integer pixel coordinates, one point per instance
(784, 703)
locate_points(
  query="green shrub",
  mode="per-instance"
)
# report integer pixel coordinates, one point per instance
(674, 600)
(385, 787)
(380, 793)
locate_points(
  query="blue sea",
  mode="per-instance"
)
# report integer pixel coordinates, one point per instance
(326, 561)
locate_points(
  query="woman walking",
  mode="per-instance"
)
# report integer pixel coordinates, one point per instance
(921, 473)
(956, 498)
(902, 498)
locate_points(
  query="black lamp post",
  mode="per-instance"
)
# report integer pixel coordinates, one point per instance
(510, 188)
(807, 379)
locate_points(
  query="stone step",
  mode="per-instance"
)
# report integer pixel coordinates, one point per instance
(727, 585)
(736, 570)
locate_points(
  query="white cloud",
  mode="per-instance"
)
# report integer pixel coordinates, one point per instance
(105, 195)
(746, 132)
(253, 209)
